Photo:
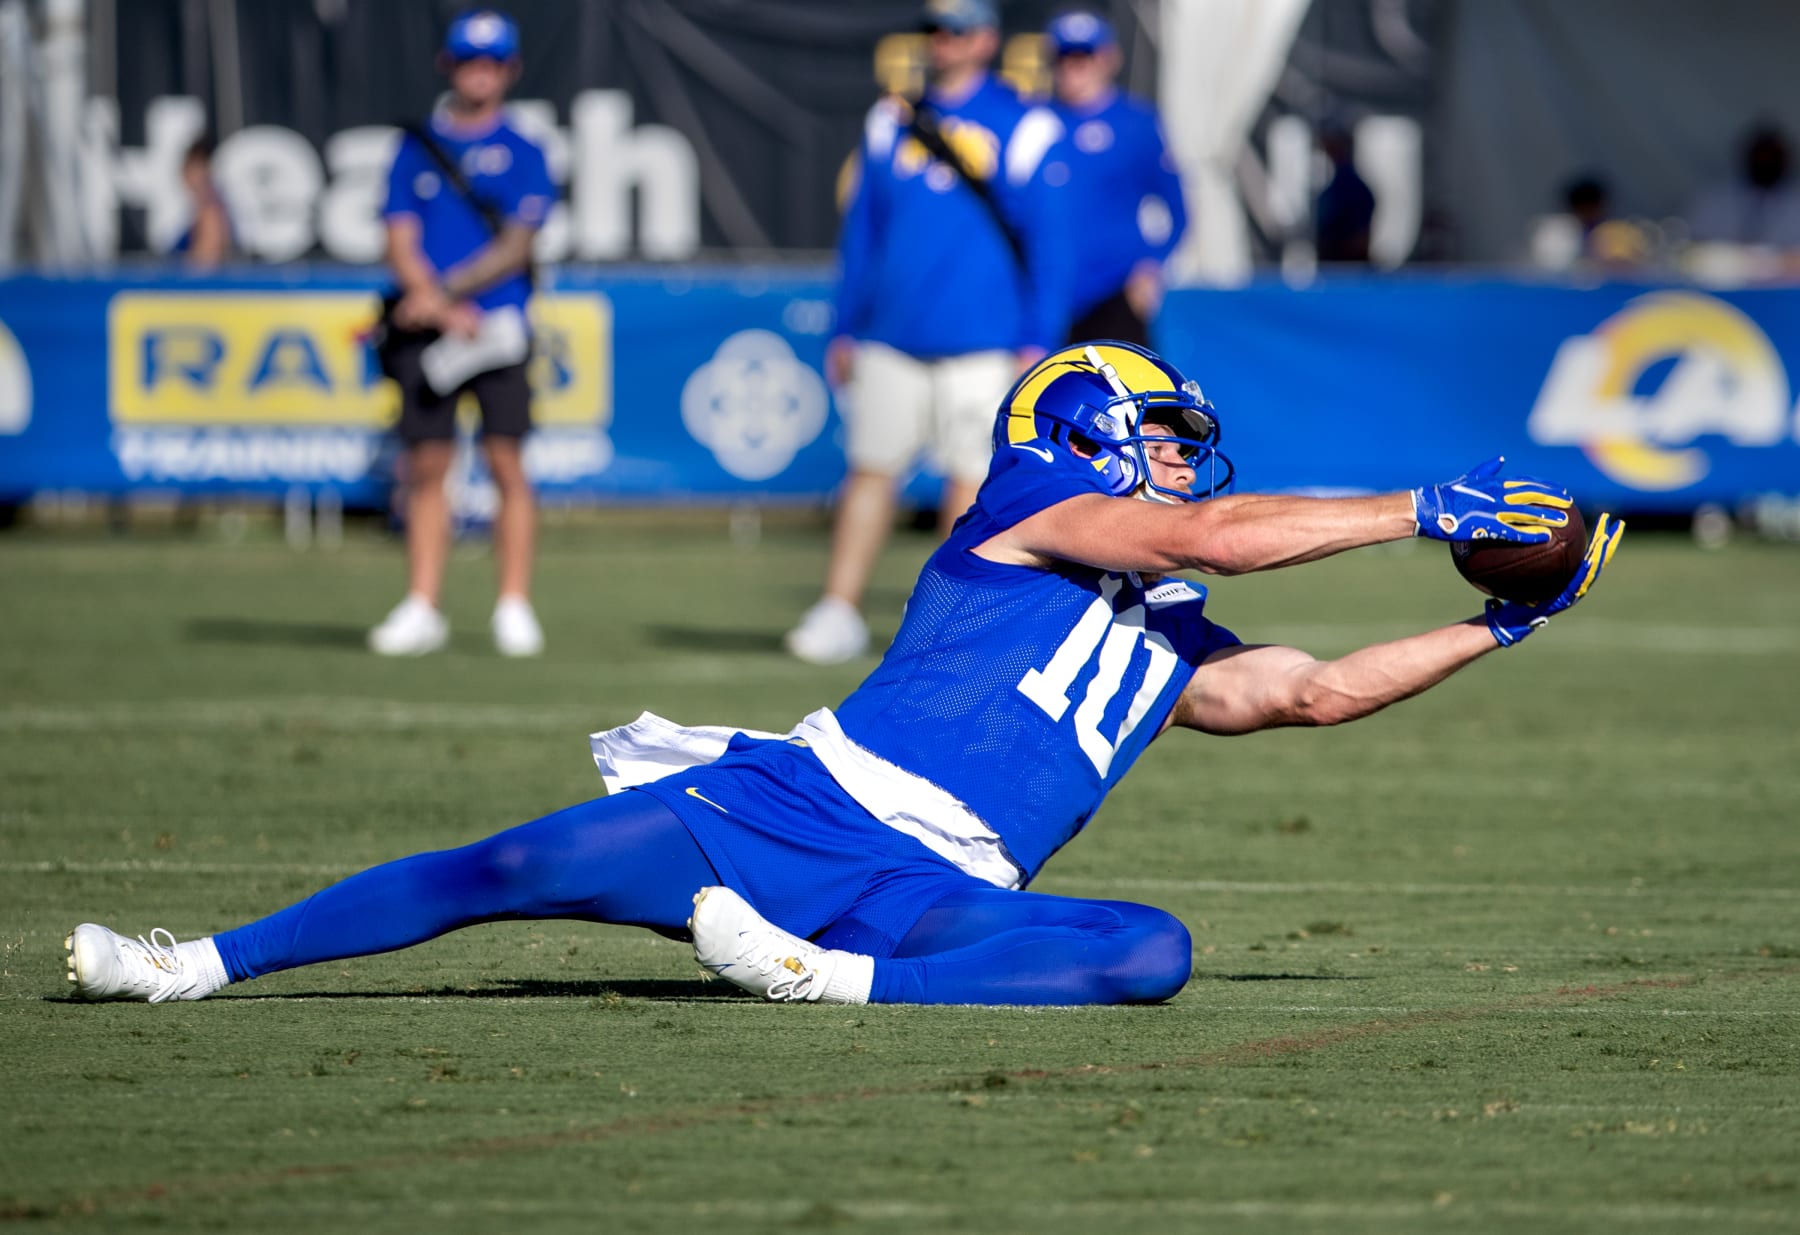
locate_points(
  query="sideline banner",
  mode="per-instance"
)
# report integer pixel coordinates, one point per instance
(706, 384)
(1637, 397)
(688, 384)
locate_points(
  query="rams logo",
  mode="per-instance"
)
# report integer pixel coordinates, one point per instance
(15, 385)
(976, 146)
(1666, 370)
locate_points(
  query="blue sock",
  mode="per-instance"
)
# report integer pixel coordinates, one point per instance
(624, 859)
(989, 946)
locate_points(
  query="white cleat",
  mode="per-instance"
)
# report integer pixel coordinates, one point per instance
(414, 628)
(104, 964)
(831, 633)
(741, 946)
(516, 629)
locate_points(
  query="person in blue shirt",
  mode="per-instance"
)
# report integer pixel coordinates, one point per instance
(1123, 185)
(952, 280)
(461, 261)
(881, 852)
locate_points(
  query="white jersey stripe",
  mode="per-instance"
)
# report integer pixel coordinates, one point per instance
(650, 748)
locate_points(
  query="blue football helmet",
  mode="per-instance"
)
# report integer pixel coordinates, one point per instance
(1093, 402)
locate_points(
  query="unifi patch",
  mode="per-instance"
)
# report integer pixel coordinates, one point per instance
(1173, 592)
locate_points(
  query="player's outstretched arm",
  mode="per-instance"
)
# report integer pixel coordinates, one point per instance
(1244, 689)
(1221, 536)
(1245, 532)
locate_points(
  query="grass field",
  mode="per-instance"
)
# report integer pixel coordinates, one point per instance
(1524, 953)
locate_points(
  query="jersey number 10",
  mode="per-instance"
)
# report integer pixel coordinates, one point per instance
(1116, 635)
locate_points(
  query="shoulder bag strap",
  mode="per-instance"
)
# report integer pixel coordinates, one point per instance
(923, 127)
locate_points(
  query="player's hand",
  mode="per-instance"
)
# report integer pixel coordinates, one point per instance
(1483, 506)
(1512, 620)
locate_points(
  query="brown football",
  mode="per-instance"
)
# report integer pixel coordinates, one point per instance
(1529, 573)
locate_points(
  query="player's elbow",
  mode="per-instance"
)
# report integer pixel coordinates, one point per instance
(1317, 704)
(1213, 541)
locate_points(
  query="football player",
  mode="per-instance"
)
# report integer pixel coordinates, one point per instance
(879, 853)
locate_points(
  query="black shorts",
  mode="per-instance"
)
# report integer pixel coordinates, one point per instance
(503, 394)
(1112, 318)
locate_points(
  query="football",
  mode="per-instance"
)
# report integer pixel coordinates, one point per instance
(1529, 573)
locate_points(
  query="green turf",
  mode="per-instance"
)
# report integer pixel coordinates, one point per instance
(1524, 953)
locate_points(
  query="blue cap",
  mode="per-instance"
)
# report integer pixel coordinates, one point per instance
(483, 33)
(960, 16)
(1080, 31)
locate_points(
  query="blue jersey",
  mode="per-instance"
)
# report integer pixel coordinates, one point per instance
(1026, 694)
(1124, 194)
(925, 267)
(503, 168)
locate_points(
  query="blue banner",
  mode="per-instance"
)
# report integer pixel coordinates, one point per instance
(1637, 398)
(686, 383)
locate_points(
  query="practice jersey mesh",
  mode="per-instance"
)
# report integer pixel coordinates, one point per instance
(1028, 693)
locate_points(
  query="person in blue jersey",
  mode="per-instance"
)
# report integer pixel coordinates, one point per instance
(881, 852)
(1123, 184)
(955, 268)
(460, 248)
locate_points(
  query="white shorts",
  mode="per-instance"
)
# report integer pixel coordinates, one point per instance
(899, 407)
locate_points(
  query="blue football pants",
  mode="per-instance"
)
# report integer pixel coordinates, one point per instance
(627, 859)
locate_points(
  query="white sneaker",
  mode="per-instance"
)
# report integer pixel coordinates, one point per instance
(106, 965)
(516, 629)
(743, 947)
(831, 633)
(414, 628)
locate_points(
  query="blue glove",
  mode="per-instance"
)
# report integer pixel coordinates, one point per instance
(1512, 620)
(1481, 506)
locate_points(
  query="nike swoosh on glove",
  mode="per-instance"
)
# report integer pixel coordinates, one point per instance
(1481, 505)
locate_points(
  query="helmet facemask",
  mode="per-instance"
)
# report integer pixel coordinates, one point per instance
(1190, 428)
(1076, 400)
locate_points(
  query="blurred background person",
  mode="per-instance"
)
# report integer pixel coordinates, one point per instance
(1589, 205)
(953, 280)
(461, 257)
(1124, 191)
(1344, 211)
(1760, 205)
(208, 241)
(1607, 242)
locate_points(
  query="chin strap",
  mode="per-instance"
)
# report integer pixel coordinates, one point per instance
(1109, 373)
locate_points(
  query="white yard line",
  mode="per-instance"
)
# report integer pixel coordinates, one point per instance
(351, 715)
(152, 867)
(1329, 887)
(1575, 631)
(1551, 1010)
(157, 866)
(875, 1209)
